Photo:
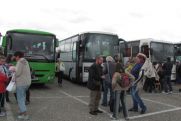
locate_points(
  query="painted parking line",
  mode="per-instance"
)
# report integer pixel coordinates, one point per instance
(174, 108)
(84, 102)
(51, 97)
(57, 97)
(154, 113)
(157, 102)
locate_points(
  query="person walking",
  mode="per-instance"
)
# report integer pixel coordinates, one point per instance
(167, 70)
(23, 81)
(138, 74)
(94, 84)
(60, 68)
(108, 70)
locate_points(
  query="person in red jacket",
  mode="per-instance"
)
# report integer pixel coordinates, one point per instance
(3, 80)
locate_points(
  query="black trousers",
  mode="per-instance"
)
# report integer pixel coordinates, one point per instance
(2, 100)
(59, 76)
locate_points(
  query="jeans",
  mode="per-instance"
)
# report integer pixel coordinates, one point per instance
(21, 97)
(107, 87)
(136, 99)
(117, 96)
(167, 83)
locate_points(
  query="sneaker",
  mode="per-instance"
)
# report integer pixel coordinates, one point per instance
(164, 92)
(113, 118)
(27, 102)
(2, 114)
(103, 104)
(133, 109)
(93, 113)
(170, 92)
(98, 111)
(24, 117)
(143, 111)
(126, 118)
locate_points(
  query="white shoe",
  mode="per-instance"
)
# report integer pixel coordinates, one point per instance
(113, 118)
(2, 114)
(164, 92)
(170, 92)
(25, 117)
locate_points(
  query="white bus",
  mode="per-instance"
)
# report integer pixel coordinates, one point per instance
(78, 52)
(178, 51)
(156, 50)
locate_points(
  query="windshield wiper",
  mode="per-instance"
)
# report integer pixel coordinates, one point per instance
(38, 55)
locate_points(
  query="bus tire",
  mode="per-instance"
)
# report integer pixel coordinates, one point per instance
(70, 71)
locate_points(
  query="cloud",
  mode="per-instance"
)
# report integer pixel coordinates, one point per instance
(136, 15)
(80, 19)
(129, 19)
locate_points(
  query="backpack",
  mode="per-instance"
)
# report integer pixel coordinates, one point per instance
(124, 80)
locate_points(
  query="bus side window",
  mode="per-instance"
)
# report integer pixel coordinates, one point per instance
(128, 52)
(74, 51)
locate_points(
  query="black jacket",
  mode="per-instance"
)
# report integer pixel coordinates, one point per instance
(94, 79)
(167, 68)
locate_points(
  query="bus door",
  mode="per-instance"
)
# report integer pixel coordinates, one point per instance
(145, 50)
(124, 51)
(74, 65)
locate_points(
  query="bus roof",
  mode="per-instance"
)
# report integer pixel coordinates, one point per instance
(177, 43)
(98, 32)
(29, 31)
(148, 40)
(90, 32)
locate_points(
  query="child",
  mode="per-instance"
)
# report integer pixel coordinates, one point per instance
(3, 80)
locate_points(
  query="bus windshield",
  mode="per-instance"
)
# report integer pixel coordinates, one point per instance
(178, 52)
(101, 44)
(160, 51)
(35, 47)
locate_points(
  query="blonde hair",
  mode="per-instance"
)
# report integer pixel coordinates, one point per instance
(109, 58)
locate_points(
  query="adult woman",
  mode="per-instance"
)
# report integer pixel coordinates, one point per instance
(120, 93)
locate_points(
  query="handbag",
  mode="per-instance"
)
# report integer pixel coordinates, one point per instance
(12, 85)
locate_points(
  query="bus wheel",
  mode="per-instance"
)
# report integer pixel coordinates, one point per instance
(70, 77)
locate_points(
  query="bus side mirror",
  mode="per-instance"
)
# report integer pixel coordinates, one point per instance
(4, 41)
(7, 40)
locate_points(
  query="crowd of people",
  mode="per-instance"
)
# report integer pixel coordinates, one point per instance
(21, 74)
(103, 77)
(143, 75)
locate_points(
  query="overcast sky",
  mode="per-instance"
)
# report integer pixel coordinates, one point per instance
(130, 19)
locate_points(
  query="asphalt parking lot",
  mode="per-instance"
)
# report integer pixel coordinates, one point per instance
(70, 103)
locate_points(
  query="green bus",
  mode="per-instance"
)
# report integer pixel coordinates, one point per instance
(39, 50)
